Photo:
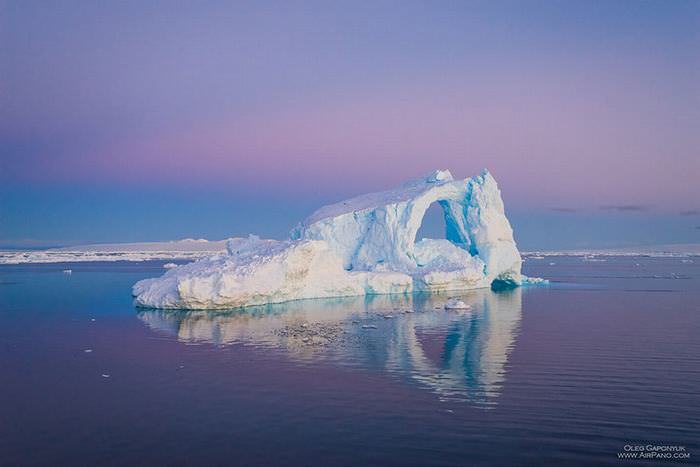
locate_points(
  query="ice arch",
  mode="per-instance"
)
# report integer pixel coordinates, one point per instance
(378, 230)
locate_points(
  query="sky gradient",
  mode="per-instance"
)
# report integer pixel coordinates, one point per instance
(130, 121)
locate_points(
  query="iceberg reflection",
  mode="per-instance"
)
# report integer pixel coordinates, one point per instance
(457, 354)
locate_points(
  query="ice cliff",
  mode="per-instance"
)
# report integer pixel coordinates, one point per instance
(364, 245)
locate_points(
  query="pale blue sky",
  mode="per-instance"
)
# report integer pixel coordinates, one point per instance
(124, 121)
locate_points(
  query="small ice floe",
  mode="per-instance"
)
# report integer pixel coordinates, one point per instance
(552, 264)
(105, 375)
(388, 316)
(527, 280)
(92, 319)
(87, 350)
(369, 326)
(536, 257)
(686, 261)
(409, 311)
(67, 271)
(169, 265)
(456, 304)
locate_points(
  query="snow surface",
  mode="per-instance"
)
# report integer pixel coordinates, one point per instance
(187, 244)
(670, 250)
(365, 245)
(178, 249)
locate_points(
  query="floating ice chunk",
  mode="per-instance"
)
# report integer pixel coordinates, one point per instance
(169, 265)
(526, 280)
(456, 304)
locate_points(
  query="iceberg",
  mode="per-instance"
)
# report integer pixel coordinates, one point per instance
(362, 246)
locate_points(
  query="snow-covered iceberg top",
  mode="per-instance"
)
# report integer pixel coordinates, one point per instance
(364, 245)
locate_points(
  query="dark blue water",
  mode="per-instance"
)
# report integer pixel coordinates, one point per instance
(607, 356)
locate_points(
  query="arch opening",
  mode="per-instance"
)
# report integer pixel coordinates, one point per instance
(433, 225)
(434, 242)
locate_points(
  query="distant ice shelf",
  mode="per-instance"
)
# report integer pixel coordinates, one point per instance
(364, 245)
(682, 250)
(187, 249)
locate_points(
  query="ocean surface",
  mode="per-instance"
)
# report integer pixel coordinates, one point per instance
(603, 361)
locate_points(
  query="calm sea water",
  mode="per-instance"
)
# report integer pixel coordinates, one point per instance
(566, 374)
